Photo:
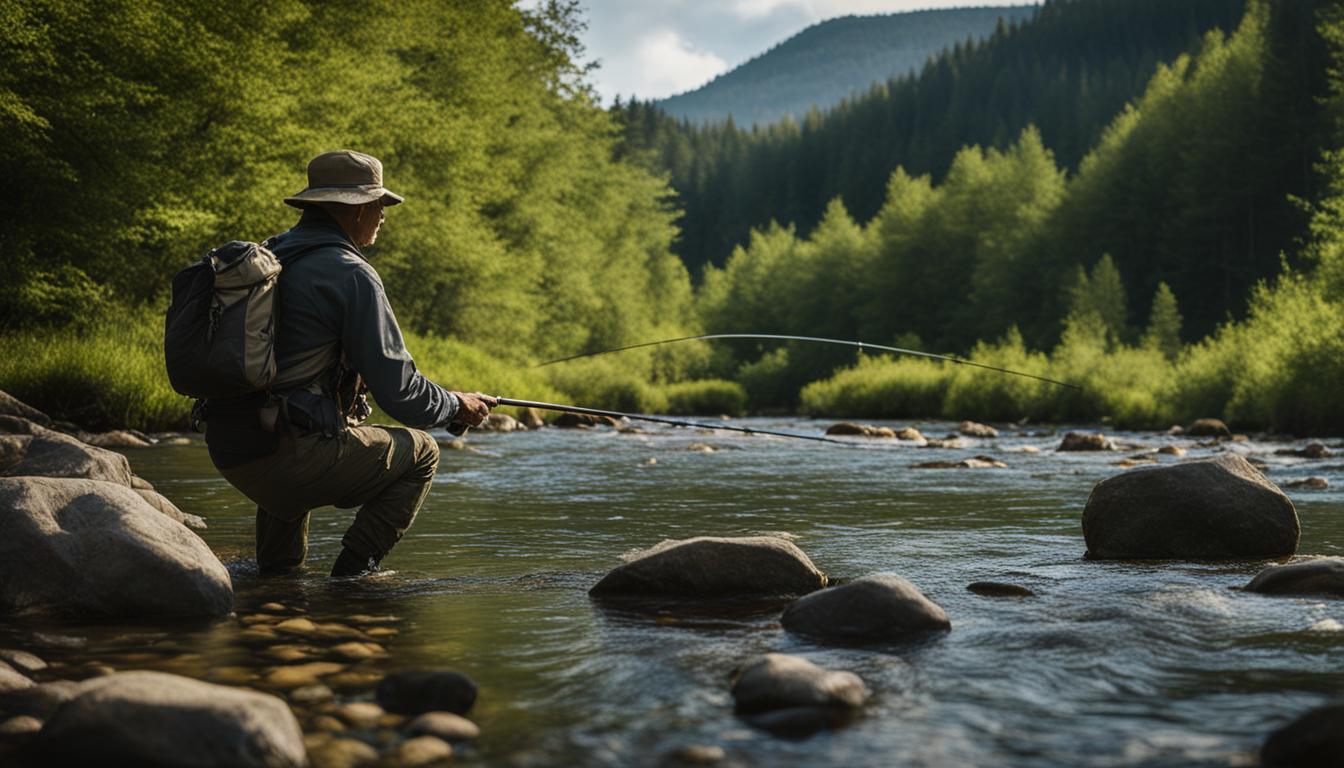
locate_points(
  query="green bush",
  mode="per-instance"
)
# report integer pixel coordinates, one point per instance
(606, 383)
(880, 388)
(111, 376)
(706, 398)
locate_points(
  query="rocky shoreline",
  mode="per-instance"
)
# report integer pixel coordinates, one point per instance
(84, 537)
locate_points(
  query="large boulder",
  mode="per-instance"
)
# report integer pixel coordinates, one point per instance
(1219, 508)
(882, 608)
(793, 696)
(715, 567)
(91, 548)
(1314, 740)
(1321, 576)
(154, 718)
(12, 406)
(27, 448)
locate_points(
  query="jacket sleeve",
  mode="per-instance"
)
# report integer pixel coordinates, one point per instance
(373, 342)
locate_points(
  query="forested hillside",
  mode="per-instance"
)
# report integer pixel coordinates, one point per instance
(1068, 72)
(834, 60)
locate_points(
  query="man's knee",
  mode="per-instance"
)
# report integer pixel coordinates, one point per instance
(426, 452)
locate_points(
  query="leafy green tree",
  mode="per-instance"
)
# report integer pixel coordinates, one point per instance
(1164, 324)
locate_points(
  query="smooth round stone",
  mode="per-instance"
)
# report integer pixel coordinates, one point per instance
(354, 680)
(311, 694)
(359, 714)
(423, 750)
(19, 727)
(697, 754)
(328, 724)
(343, 753)
(364, 618)
(1322, 576)
(997, 589)
(414, 693)
(11, 680)
(381, 632)
(289, 653)
(392, 720)
(444, 725)
(1316, 739)
(297, 626)
(301, 675)
(258, 618)
(22, 661)
(881, 608)
(273, 607)
(259, 634)
(356, 651)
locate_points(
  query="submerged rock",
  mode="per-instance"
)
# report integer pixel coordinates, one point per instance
(975, 462)
(444, 725)
(154, 718)
(501, 422)
(1314, 740)
(89, 548)
(715, 567)
(531, 418)
(1321, 576)
(1314, 450)
(910, 433)
(1208, 428)
(792, 696)
(1314, 483)
(974, 429)
(1085, 441)
(415, 693)
(875, 609)
(847, 428)
(996, 589)
(119, 438)
(421, 750)
(1202, 510)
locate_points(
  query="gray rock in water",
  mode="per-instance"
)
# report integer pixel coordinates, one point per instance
(12, 680)
(22, 661)
(153, 718)
(29, 449)
(847, 428)
(974, 429)
(996, 589)
(1085, 441)
(882, 608)
(1314, 740)
(1208, 428)
(415, 693)
(90, 548)
(1211, 509)
(169, 509)
(12, 406)
(715, 567)
(117, 438)
(1322, 576)
(501, 422)
(790, 695)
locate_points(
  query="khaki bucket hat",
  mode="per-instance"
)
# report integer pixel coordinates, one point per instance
(344, 176)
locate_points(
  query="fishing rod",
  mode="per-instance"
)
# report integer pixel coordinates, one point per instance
(662, 420)
(783, 337)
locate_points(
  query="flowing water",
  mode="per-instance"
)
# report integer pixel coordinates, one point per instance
(1109, 664)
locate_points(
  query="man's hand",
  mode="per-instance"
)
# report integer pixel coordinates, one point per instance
(473, 408)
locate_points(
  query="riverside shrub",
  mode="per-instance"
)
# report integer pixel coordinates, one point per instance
(706, 398)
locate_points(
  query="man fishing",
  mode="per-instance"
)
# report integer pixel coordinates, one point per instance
(302, 445)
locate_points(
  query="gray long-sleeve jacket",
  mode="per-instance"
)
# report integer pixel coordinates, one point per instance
(331, 301)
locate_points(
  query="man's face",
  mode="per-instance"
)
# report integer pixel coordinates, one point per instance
(369, 221)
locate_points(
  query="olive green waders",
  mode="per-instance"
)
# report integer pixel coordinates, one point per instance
(385, 471)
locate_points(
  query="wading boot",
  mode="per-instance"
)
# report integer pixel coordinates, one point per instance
(351, 564)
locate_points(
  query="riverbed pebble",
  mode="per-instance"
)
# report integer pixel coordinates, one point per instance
(39, 700)
(696, 754)
(791, 695)
(356, 651)
(1171, 450)
(444, 725)
(154, 718)
(710, 567)
(910, 433)
(1323, 576)
(359, 714)
(328, 724)
(288, 653)
(975, 462)
(1314, 740)
(354, 680)
(311, 694)
(13, 680)
(22, 661)
(417, 692)
(421, 750)
(1315, 483)
(342, 753)
(299, 675)
(19, 727)
(880, 608)
(1209, 509)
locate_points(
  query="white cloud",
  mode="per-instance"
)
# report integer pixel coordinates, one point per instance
(666, 64)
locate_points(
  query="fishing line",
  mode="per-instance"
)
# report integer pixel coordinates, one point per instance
(817, 339)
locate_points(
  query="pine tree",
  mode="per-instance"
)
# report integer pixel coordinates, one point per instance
(1164, 324)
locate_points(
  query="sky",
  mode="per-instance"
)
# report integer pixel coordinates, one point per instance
(657, 48)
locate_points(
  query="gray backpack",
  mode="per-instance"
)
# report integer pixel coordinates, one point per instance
(219, 335)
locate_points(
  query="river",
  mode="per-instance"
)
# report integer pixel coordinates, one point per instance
(1109, 664)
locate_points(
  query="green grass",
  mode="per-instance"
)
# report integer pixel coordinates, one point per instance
(709, 397)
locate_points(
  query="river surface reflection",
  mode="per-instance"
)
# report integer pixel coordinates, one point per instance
(1110, 664)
